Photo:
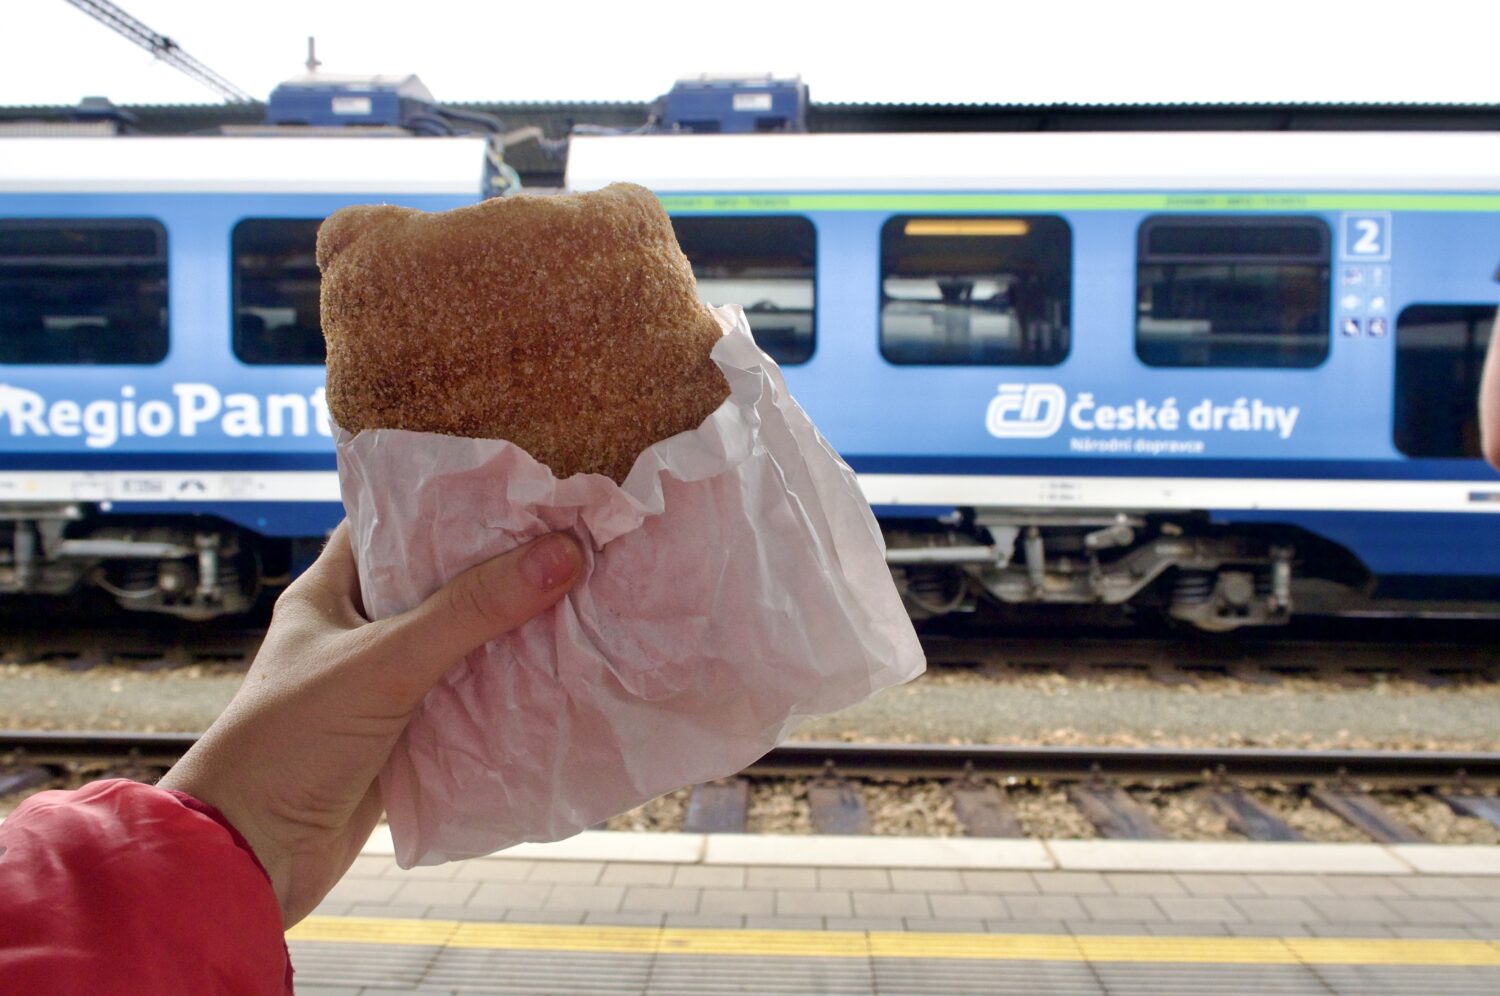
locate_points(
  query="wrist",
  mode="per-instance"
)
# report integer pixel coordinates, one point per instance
(199, 790)
(213, 812)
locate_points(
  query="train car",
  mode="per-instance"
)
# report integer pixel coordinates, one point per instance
(1216, 376)
(1220, 374)
(163, 430)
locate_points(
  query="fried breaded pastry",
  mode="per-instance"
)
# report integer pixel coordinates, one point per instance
(569, 325)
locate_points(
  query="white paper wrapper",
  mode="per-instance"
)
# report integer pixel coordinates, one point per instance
(734, 584)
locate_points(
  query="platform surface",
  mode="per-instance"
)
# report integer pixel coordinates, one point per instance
(682, 913)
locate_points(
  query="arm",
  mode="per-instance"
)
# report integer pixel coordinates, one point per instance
(122, 887)
(292, 761)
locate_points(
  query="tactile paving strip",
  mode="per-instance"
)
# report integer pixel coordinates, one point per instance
(388, 955)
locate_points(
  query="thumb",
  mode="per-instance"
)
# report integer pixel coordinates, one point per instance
(487, 600)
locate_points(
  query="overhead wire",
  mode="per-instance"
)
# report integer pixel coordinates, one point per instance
(163, 48)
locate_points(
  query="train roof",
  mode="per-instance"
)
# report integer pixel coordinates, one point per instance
(305, 165)
(557, 116)
(1177, 161)
(555, 119)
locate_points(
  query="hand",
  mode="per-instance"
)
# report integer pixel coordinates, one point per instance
(292, 761)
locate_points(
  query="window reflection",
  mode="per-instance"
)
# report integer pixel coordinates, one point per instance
(83, 291)
(975, 290)
(1440, 351)
(1232, 292)
(276, 318)
(767, 265)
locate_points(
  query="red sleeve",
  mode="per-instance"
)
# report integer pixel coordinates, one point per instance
(120, 887)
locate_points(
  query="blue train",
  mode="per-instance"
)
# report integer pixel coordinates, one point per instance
(1221, 376)
(163, 433)
(1203, 371)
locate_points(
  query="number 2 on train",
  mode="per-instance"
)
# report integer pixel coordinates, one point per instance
(1367, 236)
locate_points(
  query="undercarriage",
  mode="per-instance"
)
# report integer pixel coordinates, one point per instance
(1212, 579)
(187, 568)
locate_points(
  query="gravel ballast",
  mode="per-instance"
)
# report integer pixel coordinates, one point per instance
(943, 706)
(953, 706)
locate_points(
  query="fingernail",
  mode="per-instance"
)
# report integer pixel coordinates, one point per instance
(549, 562)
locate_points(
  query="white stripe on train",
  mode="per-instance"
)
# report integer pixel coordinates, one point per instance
(1110, 493)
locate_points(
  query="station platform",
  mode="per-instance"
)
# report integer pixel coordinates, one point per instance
(686, 913)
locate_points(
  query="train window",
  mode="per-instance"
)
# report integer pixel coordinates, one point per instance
(1440, 351)
(83, 290)
(276, 291)
(764, 264)
(975, 290)
(1218, 291)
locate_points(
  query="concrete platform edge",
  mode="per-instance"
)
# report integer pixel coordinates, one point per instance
(999, 854)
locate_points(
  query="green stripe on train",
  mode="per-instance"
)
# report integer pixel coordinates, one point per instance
(761, 203)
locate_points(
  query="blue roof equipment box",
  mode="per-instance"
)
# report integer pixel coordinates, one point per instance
(735, 104)
(323, 100)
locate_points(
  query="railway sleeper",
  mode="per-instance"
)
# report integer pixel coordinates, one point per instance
(1360, 810)
(22, 777)
(1249, 818)
(1113, 812)
(146, 650)
(983, 811)
(1254, 674)
(165, 661)
(85, 661)
(1171, 675)
(1483, 807)
(837, 807)
(721, 806)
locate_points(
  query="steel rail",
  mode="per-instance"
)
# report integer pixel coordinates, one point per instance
(157, 644)
(59, 747)
(804, 758)
(1185, 763)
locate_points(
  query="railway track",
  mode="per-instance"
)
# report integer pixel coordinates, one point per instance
(148, 645)
(975, 778)
(1258, 659)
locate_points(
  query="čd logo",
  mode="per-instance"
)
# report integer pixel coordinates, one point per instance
(1026, 411)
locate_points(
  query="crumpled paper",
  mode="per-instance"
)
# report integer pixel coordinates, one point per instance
(733, 585)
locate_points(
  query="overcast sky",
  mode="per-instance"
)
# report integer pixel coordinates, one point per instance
(1000, 51)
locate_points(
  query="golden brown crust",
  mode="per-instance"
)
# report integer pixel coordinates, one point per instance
(568, 324)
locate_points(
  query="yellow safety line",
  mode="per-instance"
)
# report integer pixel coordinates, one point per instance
(545, 937)
(880, 944)
(373, 930)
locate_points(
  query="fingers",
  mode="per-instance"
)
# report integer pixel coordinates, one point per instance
(480, 604)
(335, 565)
(330, 585)
(341, 571)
